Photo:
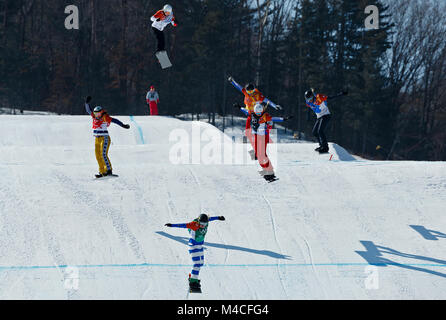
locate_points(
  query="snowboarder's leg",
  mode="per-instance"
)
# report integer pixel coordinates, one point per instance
(160, 39)
(197, 254)
(323, 139)
(105, 147)
(248, 132)
(261, 142)
(316, 131)
(99, 142)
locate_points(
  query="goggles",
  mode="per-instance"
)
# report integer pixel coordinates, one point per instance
(203, 224)
(250, 91)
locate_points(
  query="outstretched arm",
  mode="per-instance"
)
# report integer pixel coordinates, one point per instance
(119, 123)
(221, 218)
(272, 104)
(281, 119)
(87, 105)
(174, 21)
(180, 225)
(245, 111)
(235, 84)
(343, 93)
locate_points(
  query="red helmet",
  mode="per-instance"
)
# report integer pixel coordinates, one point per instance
(152, 87)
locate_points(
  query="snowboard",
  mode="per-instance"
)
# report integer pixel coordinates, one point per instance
(194, 290)
(110, 176)
(163, 59)
(272, 180)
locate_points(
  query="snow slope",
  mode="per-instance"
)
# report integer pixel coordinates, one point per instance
(339, 229)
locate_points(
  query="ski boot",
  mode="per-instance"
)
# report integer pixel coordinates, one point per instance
(194, 285)
(317, 149)
(271, 177)
(100, 175)
(323, 150)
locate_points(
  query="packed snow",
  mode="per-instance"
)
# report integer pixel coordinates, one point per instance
(332, 227)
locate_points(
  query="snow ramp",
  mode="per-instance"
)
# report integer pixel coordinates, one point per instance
(328, 229)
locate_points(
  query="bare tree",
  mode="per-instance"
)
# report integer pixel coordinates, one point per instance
(263, 18)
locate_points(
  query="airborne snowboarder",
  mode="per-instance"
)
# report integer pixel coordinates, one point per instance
(197, 230)
(318, 103)
(161, 20)
(101, 122)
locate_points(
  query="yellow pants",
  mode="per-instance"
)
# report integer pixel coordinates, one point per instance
(102, 145)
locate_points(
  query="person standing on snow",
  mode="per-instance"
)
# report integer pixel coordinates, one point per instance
(252, 97)
(152, 101)
(101, 122)
(161, 20)
(261, 124)
(318, 103)
(197, 230)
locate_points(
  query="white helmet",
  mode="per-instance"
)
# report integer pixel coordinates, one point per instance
(167, 8)
(258, 109)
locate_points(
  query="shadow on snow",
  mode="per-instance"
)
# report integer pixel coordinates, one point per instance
(185, 241)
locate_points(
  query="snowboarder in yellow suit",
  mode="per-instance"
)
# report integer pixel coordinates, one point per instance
(101, 122)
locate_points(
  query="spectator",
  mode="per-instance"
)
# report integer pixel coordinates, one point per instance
(152, 101)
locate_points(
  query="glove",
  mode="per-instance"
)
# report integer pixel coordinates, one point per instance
(230, 79)
(278, 107)
(88, 99)
(168, 225)
(126, 126)
(288, 118)
(221, 218)
(236, 105)
(158, 19)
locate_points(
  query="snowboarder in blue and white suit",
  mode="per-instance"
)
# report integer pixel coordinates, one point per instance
(197, 230)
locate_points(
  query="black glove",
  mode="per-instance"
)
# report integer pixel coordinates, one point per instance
(168, 225)
(87, 99)
(288, 118)
(221, 218)
(236, 105)
(158, 19)
(126, 126)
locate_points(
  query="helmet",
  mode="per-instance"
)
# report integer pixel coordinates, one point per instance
(258, 109)
(250, 88)
(98, 111)
(309, 95)
(167, 8)
(203, 219)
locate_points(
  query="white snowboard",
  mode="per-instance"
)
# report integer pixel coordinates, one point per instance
(163, 59)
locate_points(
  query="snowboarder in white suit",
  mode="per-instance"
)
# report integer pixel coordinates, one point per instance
(161, 20)
(197, 230)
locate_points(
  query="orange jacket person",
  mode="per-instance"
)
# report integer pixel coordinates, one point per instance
(252, 97)
(101, 122)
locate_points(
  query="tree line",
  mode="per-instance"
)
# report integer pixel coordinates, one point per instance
(395, 74)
